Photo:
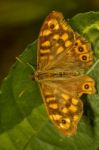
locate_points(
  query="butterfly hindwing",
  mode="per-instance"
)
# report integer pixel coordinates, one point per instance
(64, 111)
(62, 101)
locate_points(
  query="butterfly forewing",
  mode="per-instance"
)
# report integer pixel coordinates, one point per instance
(56, 36)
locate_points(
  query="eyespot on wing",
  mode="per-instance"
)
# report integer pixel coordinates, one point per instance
(88, 86)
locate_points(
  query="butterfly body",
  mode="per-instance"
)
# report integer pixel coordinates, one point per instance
(62, 59)
(57, 74)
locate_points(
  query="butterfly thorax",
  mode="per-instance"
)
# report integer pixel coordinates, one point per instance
(54, 75)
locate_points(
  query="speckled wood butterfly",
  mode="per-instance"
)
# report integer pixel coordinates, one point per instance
(62, 58)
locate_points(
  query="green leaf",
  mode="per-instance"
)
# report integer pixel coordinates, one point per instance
(24, 124)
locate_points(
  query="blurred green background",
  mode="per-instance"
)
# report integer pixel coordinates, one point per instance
(20, 22)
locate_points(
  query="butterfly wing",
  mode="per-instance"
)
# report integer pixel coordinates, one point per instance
(54, 36)
(63, 110)
(62, 100)
(59, 46)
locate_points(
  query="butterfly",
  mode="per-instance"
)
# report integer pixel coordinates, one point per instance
(63, 56)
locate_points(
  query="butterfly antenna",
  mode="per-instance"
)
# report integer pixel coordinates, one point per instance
(30, 66)
(93, 66)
